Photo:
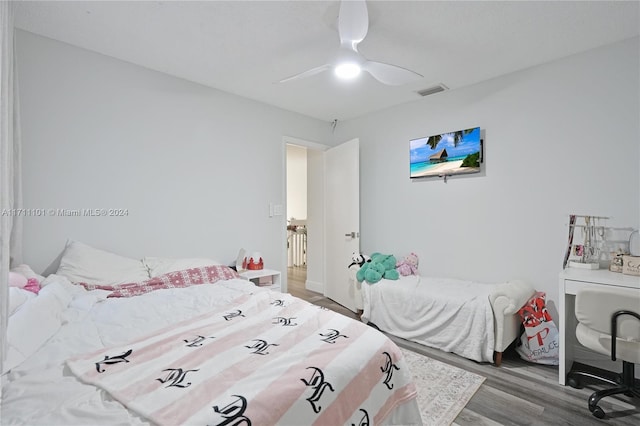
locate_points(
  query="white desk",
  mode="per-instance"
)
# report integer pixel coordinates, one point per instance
(572, 280)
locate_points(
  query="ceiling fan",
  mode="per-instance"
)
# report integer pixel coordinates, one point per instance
(353, 24)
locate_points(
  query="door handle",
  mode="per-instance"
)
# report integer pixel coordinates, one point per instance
(352, 234)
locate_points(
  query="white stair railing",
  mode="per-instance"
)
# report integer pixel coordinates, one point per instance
(297, 243)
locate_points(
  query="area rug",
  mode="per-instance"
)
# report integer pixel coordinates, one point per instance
(443, 390)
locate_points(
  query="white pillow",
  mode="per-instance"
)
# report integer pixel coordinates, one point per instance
(83, 263)
(164, 265)
(17, 298)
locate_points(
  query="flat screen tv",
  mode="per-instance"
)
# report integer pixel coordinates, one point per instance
(447, 154)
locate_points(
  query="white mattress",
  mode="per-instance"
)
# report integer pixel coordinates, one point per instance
(42, 390)
(448, 314)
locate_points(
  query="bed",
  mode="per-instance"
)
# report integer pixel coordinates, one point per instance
(475, 320)
(219, 353)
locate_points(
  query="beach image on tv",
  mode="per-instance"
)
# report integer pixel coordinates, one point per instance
(446, 154)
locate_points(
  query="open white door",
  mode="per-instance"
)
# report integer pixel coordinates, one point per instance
(342, 218)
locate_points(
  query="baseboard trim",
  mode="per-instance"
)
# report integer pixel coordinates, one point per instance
(316, 286)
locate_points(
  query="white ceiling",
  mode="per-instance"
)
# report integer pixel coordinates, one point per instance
(243, 47)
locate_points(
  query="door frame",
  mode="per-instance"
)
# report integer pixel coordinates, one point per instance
(290, 140)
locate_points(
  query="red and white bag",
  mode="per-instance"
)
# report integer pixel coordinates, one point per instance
(539, 342)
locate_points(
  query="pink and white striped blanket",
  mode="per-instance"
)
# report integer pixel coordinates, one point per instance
(178, 279)
(268, 358)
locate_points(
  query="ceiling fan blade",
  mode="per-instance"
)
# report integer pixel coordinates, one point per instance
(353, 22)
(308, 73)
(391, 75)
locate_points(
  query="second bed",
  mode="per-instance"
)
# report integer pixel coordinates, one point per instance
(472, 319)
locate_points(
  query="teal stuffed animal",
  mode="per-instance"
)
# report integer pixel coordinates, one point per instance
(381, 266)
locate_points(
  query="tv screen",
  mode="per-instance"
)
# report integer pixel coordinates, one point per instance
(447, 154)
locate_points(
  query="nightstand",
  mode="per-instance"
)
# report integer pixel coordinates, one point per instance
(267, 278)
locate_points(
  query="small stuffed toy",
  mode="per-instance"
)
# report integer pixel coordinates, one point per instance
(358, 259)
(408, 265)
(380, 266)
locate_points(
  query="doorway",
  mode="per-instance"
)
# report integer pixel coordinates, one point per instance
(304, 190)
(332, 220)
(296, 190)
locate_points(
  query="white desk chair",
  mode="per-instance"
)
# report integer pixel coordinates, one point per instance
(609, 323)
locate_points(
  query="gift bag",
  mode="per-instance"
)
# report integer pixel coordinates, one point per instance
(539, 343)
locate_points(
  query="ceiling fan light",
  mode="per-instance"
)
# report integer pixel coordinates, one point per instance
(347, 70)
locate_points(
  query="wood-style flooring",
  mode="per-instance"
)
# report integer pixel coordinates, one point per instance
(516, 393)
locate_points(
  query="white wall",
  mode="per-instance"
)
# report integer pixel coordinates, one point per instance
(560, 138)
(197, 179)
(195, 167)
(296, 182)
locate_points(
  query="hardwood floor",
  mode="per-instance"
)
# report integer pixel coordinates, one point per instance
(296, 278)
(517, 393)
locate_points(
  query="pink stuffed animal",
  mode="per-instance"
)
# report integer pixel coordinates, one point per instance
(408, 265)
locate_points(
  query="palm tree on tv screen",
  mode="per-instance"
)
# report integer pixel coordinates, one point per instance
(433, 141)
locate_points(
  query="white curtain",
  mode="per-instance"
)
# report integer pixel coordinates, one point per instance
(10, 183)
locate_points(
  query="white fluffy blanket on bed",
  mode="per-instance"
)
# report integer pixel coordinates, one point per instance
(42, 390)
(264, 359)
(448, 314)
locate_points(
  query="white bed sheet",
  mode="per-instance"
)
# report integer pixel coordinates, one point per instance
(42, 390)
(448, 314)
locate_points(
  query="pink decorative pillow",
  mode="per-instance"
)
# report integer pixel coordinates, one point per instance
(17, 280)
